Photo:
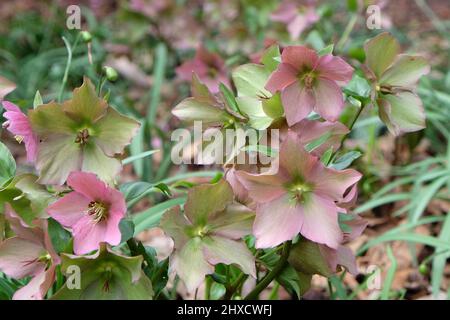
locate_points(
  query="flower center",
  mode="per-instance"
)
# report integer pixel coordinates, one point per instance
(308, 79)
(98, 211)
(82, 137)
(46, 259)
(18, 138)
(299, 191)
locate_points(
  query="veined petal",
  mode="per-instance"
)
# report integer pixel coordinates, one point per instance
(298, 102)
(88, 235)
(114, 131)
(174, 224)
(320, 221)
(299, 57)
(334, 68)
(88, 185)
(381, 52)
(277, 221)
(262, 187)
(190, 265)
(94, 160)
(329, 100)
(191, 109)
(405, 71)
(50, 119)
(221, 250)
(282, 77)
(37, 288)
(233, 223)
(58, 155)
(69, 209)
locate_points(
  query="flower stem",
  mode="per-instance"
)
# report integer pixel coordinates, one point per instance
(69, 63)
(275, 272)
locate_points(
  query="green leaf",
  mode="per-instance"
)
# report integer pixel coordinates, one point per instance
(7, 165)
(389, 276)
(138, 156)
(346, 160)
(439, 261)
(290, 280)
(126, 227)
(37, 100)
(271, 57)
(135, 190)
(60, 237)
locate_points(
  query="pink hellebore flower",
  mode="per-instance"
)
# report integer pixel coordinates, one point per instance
(310, 83)
(93, 212)
(29, 254)
(301, 197)
(209, 67)
(296, 18)
(18, 124)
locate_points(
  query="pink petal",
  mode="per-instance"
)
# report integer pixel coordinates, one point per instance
(333, 183)
(69, 209)
(88, 184)
(18, 258)
(88, 235)
(262, 187)
(334, 68)
(329, 100)
(285, 12)
(277, 221)
(295, 159)
(282, 77)
(358, 225)
(299, 57)
(37, 288)
(320, 221)
(21, 229)
(185, 71)
(298, 102)
(297, 26)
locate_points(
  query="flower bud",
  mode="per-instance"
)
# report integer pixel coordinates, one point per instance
(111, 73)
(86, 36)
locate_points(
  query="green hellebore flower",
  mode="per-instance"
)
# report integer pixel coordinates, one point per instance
(395, 77)
(208, 233)
(105, 275)
(82, 134)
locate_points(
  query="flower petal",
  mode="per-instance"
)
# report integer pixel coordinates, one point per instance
(329, 100)
(69, 209)
(405, 71)
(381, 52)
(299, 57)
(95, 160)
(51, 119)
(114, 131)
(262, 187)
(221, 250)
(282, 77)
(334, 68)
(37, 288)
(320, 221)
(298, 102)
(277, 221)
(88, 185)
(234, 223)
(174, 224)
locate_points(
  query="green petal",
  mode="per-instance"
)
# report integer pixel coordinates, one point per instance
(50, 119)
(201, 92)
(85, 106)
(402, 112)
(306, 258)
(174, 224)
(207, 200)
(381, 52)
(405, 71)
(250, 80)
(114, 131)
(271, 58)
(58, 155)
(234, 223)
(223, 250)
(190, 265)
(191, 110)
(253, 108)
(273, 106)
(95, 160)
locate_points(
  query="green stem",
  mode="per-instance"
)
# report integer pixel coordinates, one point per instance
(275, 272)
(231, 290)
(346, 34)
(69, 63)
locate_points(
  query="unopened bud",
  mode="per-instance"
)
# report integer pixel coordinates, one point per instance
(111, 73)
(86, 36)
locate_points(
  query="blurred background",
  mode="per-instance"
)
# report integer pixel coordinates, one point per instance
(405, 192)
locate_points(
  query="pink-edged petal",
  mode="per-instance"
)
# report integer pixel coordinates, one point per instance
(88, 184)
(320, 221)
(239, 190)
(88, 235)
(282, 77)
(19, 257)
(234, 223)
(295, 159)
(329, 100)
(405, 71)
(357, 226)
(277, 221)
(334, 68)
(262, 187)
(298, 102)
(37, 288)
(299, 57)
(342, 256)
(69, 209)
(221, 250)
(333, 183)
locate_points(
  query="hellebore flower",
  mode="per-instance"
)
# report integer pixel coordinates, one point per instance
(28, 254)
(395, 77)
(18, 124)
(301, 197)
(309, 82)
(93, 211)
(209, 67)
(208, 233)
(297, 19)
(82, 134)
(105, 275)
